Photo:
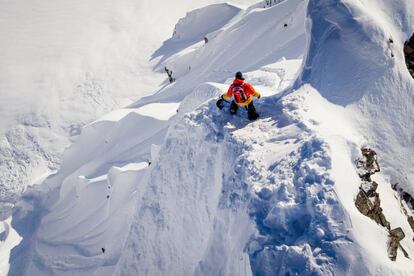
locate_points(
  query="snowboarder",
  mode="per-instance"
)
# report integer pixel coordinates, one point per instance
(169, 73)
(242, 94)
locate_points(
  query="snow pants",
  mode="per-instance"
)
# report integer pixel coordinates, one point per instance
(251, 110)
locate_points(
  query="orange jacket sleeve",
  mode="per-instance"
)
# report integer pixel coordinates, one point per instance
(256, 94)
(252, 91)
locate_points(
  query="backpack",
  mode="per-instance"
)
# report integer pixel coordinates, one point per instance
(239, 95)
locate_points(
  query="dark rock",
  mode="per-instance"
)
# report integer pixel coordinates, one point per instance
(411, 41)
(368, 164)
(392, 249)
(397, 234)
(408, 50)
(409, 200)
(394, 238)
(410, 220)
(369, 204)
(368, 201)
(370, 207)
(369, 188)
(409, 55)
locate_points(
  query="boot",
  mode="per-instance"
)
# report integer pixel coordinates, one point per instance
(251, 112)
(233, 108)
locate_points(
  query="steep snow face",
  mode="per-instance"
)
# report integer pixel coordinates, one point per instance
(294, 172)
(65, 65)
(199, 22)
(240, 45)
(108, 154)
(355, 59)
(80, 216)
(196, 26)
(180, 228)
(215, 169)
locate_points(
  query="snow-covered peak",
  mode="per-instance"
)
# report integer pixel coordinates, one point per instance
(355, 59)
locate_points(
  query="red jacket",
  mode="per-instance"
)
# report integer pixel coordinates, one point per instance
(248, 90)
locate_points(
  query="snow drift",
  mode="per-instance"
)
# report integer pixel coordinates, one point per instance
(65, 65)
(352, 62)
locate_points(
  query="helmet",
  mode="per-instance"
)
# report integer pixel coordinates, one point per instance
(239, 76)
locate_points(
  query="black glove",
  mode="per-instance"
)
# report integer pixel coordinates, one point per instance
(219, 103)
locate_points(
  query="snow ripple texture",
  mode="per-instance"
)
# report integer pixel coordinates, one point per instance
(274, 169)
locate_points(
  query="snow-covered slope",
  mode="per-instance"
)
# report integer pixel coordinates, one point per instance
(299, 192)
(225, 54)
(352, 62)
(65, 64)
(196, 26)
(172, 185)
(81, 166)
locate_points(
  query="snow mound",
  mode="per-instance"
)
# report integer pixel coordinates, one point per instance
(201, 94)
(215, 168)
(117, 141)
(197, 25)
(64, 65)
(355, 59)
(87, 206)
(220, 58)
(169, 216)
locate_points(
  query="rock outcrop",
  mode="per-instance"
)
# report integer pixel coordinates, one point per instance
(368, 201)
(407, 204)
(395, 236)
(409, 55)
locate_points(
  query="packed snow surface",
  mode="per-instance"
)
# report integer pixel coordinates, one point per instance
(65, 64)
(171, 185)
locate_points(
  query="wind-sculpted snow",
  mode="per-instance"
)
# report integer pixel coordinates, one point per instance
(74, 222)
(195, 26)
(179, 219)
(33, 147)
(341, 50)
(203, 93)
(78, 220)
(174, 186)
(215, 168)
(65, 64)
(356, 59)
(252, 40)
(303, 228)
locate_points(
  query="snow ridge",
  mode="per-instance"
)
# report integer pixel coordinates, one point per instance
(352, 62)
(171, 214)
(275, 169)
(302, 225)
